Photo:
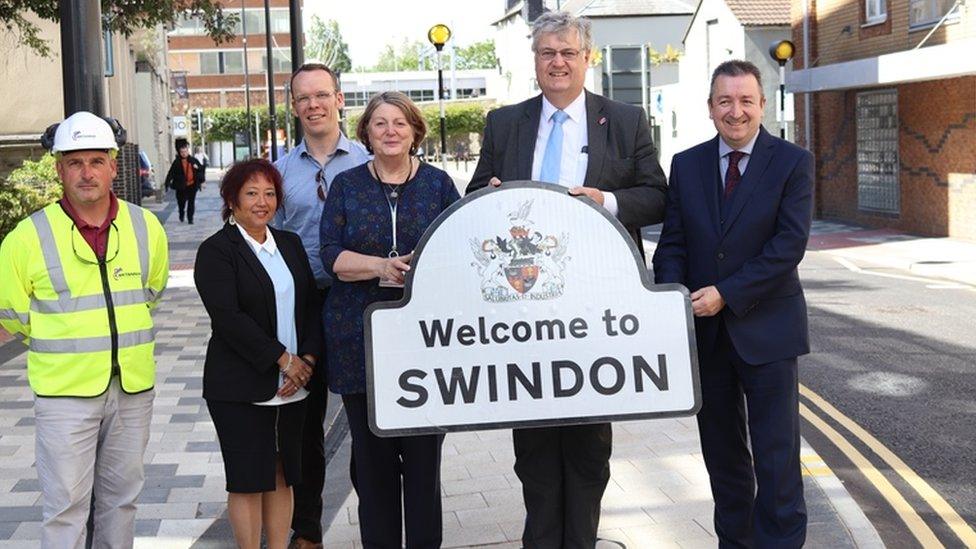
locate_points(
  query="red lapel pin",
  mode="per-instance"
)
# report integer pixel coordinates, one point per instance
(602, 121)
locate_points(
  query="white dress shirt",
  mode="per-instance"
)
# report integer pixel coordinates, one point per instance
(284, 288)
(573, 161)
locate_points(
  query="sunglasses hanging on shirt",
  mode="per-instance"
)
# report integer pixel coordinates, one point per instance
(320, 181)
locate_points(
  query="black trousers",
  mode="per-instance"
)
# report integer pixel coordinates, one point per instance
(306, 520)
(764, 396)
(385, 468)
(186, 201)
(564, 471)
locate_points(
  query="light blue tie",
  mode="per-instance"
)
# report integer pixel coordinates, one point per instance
(554, 150)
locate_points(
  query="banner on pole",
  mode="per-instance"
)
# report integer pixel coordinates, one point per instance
(527, 307)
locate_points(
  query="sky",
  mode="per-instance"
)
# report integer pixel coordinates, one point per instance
(369, 25)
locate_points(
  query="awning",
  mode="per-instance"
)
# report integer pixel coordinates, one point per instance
(931, 63)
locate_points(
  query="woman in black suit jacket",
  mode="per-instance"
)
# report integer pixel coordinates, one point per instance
(258, 288)
(186, 175)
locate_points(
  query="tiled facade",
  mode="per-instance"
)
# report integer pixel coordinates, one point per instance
(935, 165)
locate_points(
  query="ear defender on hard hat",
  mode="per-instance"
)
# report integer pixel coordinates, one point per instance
(83, 130)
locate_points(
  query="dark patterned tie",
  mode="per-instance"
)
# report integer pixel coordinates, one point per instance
(732, 174)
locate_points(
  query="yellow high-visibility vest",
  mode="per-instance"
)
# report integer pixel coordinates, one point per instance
(83, 318)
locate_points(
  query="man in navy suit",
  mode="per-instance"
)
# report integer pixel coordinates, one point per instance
(602, 149)
(736, 226)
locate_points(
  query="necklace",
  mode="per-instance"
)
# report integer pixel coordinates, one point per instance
(393, 187)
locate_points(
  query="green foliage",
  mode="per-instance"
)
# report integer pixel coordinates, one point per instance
(124, 16)
(459, 119)
(408, 56)
(225, 122)
(480, 55)
(419, 55)
(28, 188)
(325, 44)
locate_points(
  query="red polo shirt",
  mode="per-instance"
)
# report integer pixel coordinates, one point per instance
(95, 235)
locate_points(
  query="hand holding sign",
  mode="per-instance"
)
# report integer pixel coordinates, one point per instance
(392, 270)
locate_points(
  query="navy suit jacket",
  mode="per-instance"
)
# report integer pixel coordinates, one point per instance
(748, 246)
(622, 157)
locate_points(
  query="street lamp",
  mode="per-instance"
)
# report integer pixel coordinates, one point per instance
(781, 52)
(438, 35)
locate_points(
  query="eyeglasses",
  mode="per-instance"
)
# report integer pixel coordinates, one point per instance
(320, 97)
(567, 54)
(320, 180)
(87, 247)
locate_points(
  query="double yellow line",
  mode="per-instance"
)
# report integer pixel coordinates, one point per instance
(905, 511)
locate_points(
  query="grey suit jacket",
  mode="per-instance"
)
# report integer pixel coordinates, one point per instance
(622, 157)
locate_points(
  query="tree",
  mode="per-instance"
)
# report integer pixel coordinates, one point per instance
(325, 44)
(124, 16)
(407, 57)
(480, 55)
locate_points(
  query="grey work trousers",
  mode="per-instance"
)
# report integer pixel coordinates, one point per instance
(91, 444)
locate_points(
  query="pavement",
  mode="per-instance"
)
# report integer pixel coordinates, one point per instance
(658, 494)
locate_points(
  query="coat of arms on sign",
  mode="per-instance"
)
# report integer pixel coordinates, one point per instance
(525, 264)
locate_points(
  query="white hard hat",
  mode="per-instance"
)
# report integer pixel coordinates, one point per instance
(84, 131)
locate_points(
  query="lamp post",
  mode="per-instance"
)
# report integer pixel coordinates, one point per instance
(781, 52)
(247, 84)
(438, 35)
(272, 120)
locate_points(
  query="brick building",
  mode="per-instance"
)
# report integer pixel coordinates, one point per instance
(888, 106)
(215, 72)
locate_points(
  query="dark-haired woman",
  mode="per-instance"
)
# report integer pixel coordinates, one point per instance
(186, 175)
(374, 217)
(257, 287)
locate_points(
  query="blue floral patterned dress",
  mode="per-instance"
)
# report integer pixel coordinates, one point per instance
(357, 218)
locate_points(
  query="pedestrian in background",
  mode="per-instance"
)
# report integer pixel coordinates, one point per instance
(258, 288)
(202, 158)
(374, 217)
(597, 148)
(185, 175)
(80, 278)
(307, 172)
(737, 223)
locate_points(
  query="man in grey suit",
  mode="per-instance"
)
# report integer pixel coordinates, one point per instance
(598, 148)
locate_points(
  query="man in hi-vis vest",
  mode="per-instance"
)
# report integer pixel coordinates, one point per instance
(78, 280)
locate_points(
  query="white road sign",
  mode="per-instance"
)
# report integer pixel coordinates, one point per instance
(181, 126)
(525, 307)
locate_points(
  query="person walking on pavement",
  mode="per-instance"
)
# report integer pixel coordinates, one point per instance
(308, 171)
(374, 217)
(601, 149)
(80, 278)
(257, 287)
(736, 227)
(185, 175)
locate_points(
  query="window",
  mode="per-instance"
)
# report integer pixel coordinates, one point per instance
(210, 62)
(187, 26)
(282, 61)
(923, 13)
(280, 22)
(233, 62)
(223, 62)
(877, 152)
(356, 98)
(464, 93)
(875, 11)
(421, 95)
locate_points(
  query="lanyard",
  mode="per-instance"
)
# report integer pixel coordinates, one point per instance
(393, 200)
(394, 203)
